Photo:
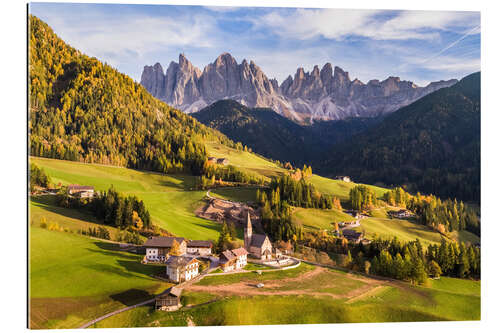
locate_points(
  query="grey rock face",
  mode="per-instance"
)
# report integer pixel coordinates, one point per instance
(325, 94)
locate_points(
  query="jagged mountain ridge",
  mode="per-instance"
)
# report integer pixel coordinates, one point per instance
(326, 94)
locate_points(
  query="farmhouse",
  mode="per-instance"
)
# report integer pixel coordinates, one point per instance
(212, 160)
(180, 268)
(170, 300)
(81, 191)
(231, 260)
(223, 161)
(199, 247)
(352, 236)
(346, 179)
(257, 245)
(403, 213)
(157, 248)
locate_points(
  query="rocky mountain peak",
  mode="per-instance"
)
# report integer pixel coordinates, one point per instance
(324, 94)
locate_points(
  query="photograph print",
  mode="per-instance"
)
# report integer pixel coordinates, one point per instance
(209, 166)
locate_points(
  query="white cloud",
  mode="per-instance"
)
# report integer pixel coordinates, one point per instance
(222, 9)
(452, 64)
(134, 34)
(340, 23)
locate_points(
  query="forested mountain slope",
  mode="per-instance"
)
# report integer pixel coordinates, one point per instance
(81, 109)
(275, 136)
(431, 145)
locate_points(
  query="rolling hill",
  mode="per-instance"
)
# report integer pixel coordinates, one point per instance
(431, 145)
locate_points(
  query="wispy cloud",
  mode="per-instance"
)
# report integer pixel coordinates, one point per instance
(107, 33)
(379, 25)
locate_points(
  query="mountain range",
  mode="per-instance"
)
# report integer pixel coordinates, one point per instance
(326, 94)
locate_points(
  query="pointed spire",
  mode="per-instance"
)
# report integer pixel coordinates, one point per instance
(248, 232)
(249, 221)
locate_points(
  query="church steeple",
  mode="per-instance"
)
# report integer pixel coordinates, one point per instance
(248, 232)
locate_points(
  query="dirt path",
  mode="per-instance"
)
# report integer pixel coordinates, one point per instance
(272, 286)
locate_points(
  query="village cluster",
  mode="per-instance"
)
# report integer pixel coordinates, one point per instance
(185, 265)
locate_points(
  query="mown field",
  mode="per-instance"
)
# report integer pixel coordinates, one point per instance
(241, 194)
(343, 298)
(74, 279)
(244, 160)
(380, 224)
(339, 188)
(318, 219)
(169, 199)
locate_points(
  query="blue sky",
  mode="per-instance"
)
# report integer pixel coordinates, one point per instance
(420, 46)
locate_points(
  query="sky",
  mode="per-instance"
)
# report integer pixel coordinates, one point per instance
(419, 46)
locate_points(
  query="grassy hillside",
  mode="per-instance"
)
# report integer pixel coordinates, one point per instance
(347, 298)
(168, 198)
(339, 188)
(249, 162)
(107, 279)
(407, 230)
(241, 194)
(44, 209)
(320, 219)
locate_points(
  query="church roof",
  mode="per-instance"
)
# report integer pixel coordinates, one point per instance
(258, 240)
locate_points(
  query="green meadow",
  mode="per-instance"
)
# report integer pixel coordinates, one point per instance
(44, 209)
(74, 279)
(387, 303)
(406, 229)
(318, 219)
(249, 162)
(241, 194)
(169, 199)
(339, 188)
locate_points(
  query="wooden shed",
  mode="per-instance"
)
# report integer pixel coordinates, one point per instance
(170, 300)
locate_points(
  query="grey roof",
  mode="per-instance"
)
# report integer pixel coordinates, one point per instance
(227, 256)
(258, 240)
(199, 243)
(162, 241)
(175, 291)
(176, 261)
(172, 291)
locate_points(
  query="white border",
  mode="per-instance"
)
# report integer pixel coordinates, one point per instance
(13, 161)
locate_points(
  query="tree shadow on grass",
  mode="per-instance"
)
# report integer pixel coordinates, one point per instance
(131, 296)
(48, 203)
(214, 226)
(138, 268)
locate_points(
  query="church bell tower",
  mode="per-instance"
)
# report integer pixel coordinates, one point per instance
(248, 232)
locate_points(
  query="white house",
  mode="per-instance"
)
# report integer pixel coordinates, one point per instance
(241, 257)
(181, 269)
(231, 260)
(157, 248)
(199, 247)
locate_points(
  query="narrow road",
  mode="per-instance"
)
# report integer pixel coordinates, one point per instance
(92, 322)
